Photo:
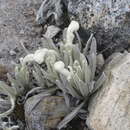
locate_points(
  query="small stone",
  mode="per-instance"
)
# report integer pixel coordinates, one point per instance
(12, 53)
(52, 31)
(21, 32)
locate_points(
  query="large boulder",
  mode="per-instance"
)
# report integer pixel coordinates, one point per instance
(44, 113)
(110, 107)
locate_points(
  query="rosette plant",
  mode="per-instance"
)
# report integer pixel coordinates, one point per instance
(68, 68)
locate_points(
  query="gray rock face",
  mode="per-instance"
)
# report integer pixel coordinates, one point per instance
(44, 113)
(110, 107)
(106, 13)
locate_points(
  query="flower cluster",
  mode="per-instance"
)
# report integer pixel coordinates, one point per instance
(68, 68)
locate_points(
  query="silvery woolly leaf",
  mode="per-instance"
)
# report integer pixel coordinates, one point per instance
(45, 92)
(64, 35)
(63, 80)
(69, 117)
(78, 70)
(92, 57)
(60, 85)
(82, 87)
(11, 92)
(91, 87)
(48, 76)
(65, 58)
(49, 66)
(39, 77)
(72, 90)
(48, 43)
(93, 47)
(92, 64)
(67, 99)
(22, 75)
(75, 80)
(99, 82)
(79, 41)
(86, 69)
(16, 84)
(76, 53)
(85, 51)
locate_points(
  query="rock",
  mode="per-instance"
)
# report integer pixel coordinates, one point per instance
(44, 113)
(106, 13)
(12, 53)
(52, 31)
(109, 108)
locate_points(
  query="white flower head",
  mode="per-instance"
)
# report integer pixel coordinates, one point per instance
(27, 58)
(59, 66)
(73, 27)
(39, 55)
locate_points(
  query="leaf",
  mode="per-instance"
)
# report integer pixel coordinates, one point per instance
(99, 82)
(79, 41)
(72, 90)
(67, 99)
(12, 95)
(48, 43)
(15, 84)
(85, 51)
(69, 117)
(66, 58)
(91, 87)
(93, 58)
(39, 90)
(64, 35)
(78, 69)
(76, 53)
(82, 87)
(60, 85)
(86, 69)
(21, 80)
(48, 76)
(40, 79)
(22, 75)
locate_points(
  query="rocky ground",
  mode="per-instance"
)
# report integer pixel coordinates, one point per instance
(109, 21)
